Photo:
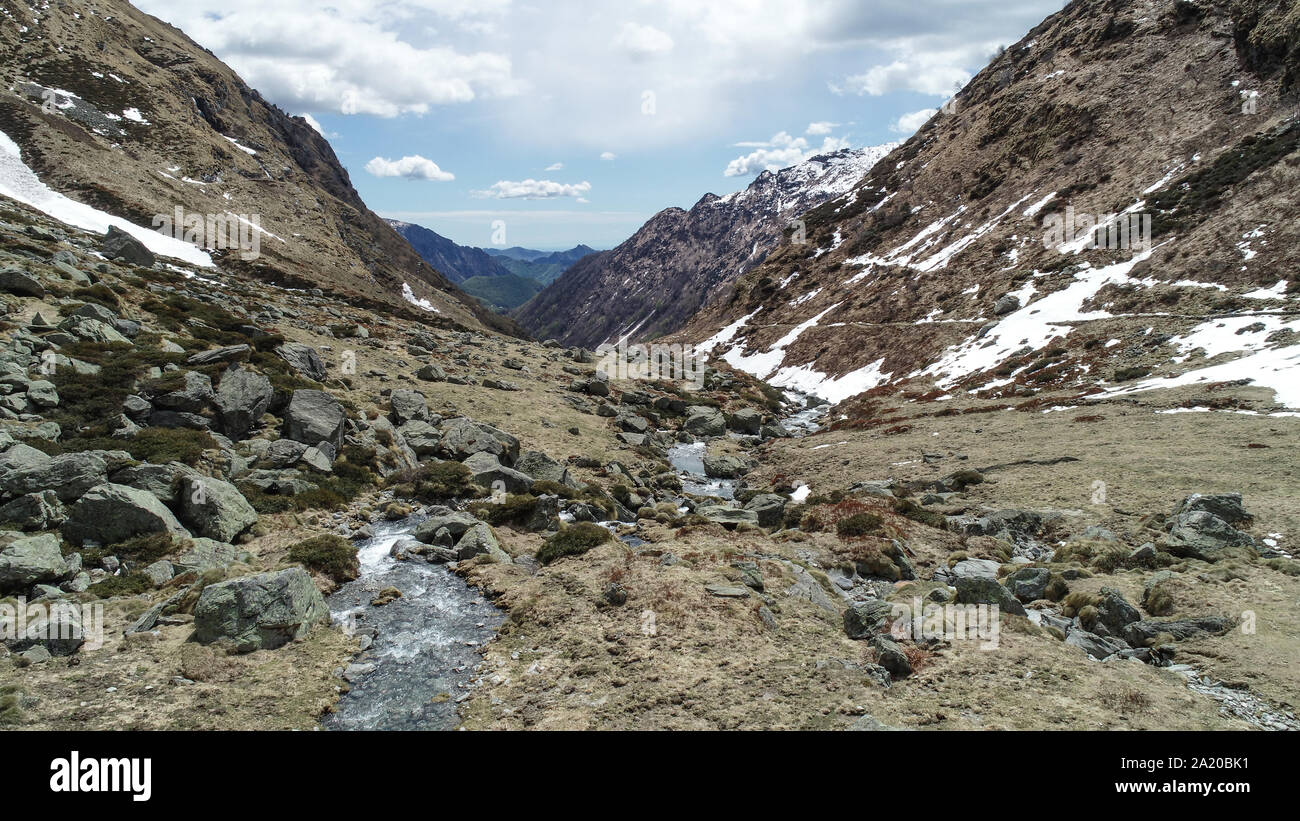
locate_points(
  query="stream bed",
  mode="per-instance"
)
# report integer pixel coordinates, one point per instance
(425, 645)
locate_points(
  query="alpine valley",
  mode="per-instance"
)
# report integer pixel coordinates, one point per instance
(993, 427)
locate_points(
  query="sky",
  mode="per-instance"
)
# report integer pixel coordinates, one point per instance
(551, 123)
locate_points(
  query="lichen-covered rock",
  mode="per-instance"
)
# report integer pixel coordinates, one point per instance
(108, 514)
(259, 612)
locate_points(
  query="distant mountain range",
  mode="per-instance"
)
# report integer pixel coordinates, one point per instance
(679, 261)
(502, 279)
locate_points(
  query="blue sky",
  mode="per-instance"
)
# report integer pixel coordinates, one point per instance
(574, 121)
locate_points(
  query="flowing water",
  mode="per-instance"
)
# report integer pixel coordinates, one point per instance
(425, 646)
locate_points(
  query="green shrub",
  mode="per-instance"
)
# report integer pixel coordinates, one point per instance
(913, 511)
(546, 487)
(515, 510)
(332, 555)
(573, 541)
(127, 584)
(437, 481)
(857, 525)
(11, 706)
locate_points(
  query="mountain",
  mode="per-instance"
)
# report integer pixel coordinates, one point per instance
(539, 265)
(680, 260)
(122, 112)
(947, 269)
(502, 293)
(457, 262)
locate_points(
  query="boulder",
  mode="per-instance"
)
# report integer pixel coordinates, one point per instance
(423, 438)
(407, 406)
(229, 353)
(1114, 613)
(260, 612)
(194, 396)
(1202, 535)
(242, 398)
(728, 517)
(703, 420)
(462, 437)
(214, 509)
(983, 590)
(769, 507)
(304, 359)
(162, 481)
(29, 561)
(20, 283)
(720, 465)
(1141, 633)
(1029, 583)
(455, 522)
(431, 373)
(487, 471)
(868, 619)
(41, 510)
(313, 417)
(543, 468)
(118, 244)
(1099, 647)
(69, 475)
(746, 420)
(976, 568)
(108, 514)
(1227, 506)
(205, 554)
(479, 540)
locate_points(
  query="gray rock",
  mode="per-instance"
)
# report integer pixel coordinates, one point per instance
(313, 417)
(478, 540)
(69, 475)
(544, 469)
(462, 437)
(108, 514)
(431, 373)
(304, 359)
(33, 560)
(976, 568)
(983, 590)
(703, 420)
(162, 481)
(160, 572)
(259, 612)
(1141, 633)
(423, 438)
(453, 521)
(20, 283)
(241, 399)
(746, 420)
(407, 406)
(487, 471)
(206, 554)
(41, 510)
(769, 507)
(727, 465)
(1099, 647)
(1114, 613)
(1029, 583)
(728, 517)
(1006, 304)
(214, 509)
(891, 656)
(229, 353)
(1202, 535)
(194, 396)
(868, 619)
(117, 244)
(1227, 506)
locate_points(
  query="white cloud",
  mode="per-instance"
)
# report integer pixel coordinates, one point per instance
(779, 152)
(412, 168)
(820, 129)
(350, 56)
(533, 190)
(909, 123)
(555, 166)
(608, 155)
(643, 41)
(940, 80)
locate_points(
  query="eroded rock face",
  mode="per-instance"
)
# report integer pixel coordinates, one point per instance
(259, 612)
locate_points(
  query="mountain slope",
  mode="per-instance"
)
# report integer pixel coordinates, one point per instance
(147, 121)
(939, 268)
(457, 262)
(680, 260)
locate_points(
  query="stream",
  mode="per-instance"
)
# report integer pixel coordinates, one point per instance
(425, 645)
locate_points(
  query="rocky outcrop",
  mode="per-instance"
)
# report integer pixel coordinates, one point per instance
(259, 612)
